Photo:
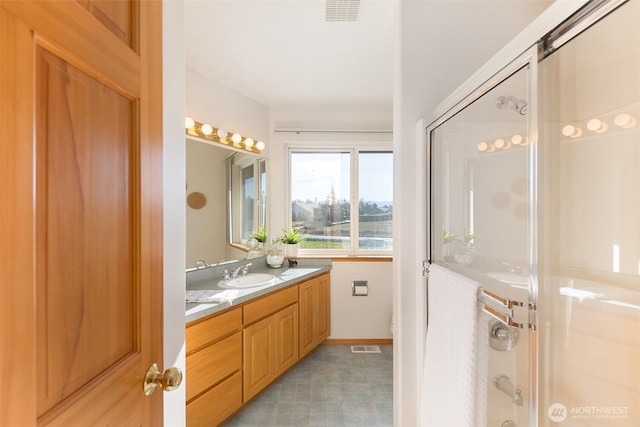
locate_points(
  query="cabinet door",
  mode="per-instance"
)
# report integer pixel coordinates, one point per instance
(213, 363)
(217, 404)
(307, 340)
(286, 338)
(259, 359)
(322, 306)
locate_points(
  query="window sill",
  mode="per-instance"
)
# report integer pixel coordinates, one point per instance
(351, 258)
(240, 246)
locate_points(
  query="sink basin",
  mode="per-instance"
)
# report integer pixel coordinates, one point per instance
(251, 280)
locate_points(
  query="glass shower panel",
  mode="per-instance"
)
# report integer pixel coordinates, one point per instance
(480, 191)
(589, 303)
(480, 225)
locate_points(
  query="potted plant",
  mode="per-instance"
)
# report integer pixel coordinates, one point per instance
(260, 236)
(291, 239)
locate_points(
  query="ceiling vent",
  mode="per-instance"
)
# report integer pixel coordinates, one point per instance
(342, 10)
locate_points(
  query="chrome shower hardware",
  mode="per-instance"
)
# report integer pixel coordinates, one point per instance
(518, 105)
(501, 336)
(503, 383)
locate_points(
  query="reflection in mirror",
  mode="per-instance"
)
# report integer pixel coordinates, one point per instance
(480, 188)
(224, 201)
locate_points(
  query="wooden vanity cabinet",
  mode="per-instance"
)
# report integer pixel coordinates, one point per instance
(214, 363)
(270, 339)
(314, 312)
(234, 355)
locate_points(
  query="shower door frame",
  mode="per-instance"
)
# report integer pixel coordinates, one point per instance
(529, 59)
(570, 22)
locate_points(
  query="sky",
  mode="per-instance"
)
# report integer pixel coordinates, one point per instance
(315, 174)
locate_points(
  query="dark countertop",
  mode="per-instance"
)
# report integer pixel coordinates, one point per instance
(222, 299)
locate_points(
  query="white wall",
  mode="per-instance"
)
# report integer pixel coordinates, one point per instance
(361, 316)
(174, 212)
(222, 107)
(471, 31)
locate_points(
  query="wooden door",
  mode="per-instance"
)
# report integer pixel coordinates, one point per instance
(80, 212)
(286, 338)
(258, 367)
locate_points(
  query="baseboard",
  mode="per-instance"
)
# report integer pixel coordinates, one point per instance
(358, 341)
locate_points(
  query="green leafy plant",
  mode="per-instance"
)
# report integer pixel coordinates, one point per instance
(291, 237)
(260, 236)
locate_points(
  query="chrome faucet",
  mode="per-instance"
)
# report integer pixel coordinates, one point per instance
(201, 264)
(243, 268)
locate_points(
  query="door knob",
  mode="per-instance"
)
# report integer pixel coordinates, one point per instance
(168, 380)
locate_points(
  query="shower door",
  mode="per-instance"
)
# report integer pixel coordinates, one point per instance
(481, 201)
(589, 311)
(535, 194)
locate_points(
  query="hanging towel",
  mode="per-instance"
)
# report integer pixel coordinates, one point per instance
(482, 367)
(449, 377)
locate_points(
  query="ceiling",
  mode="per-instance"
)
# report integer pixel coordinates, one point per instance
(284, 55)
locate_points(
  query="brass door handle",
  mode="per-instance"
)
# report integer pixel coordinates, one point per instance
(168, 380)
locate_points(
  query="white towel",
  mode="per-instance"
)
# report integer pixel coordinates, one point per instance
(212, 296)
(482, 368)
(449, 377)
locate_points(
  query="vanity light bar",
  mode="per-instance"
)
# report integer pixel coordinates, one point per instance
(622, 120)
(506, 143)
(221, 136)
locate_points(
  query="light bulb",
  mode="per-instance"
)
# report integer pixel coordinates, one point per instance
(516, 139)
(236, 138)
(207, 129)
(260, 145)
(571, 131)
(222, 133)
(568, 130)
(482, 146)
(248, 142)
(499, 143)
(189, 123)
(597, 126)
(624, 120)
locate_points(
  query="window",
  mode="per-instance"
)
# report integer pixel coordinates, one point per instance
(342, 200)
(247, 191)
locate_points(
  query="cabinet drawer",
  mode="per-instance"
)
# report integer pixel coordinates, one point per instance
(260, 309)
(217, 404)
(201, 333)
(213, 363)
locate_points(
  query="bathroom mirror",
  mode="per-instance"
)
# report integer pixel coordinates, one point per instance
(226, 201)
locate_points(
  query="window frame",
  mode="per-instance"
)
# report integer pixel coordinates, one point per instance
(235, 195)
(354, 151)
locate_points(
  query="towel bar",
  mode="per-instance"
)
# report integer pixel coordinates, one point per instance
(505, 314)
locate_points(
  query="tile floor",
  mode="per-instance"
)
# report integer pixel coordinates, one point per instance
(331, 387)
